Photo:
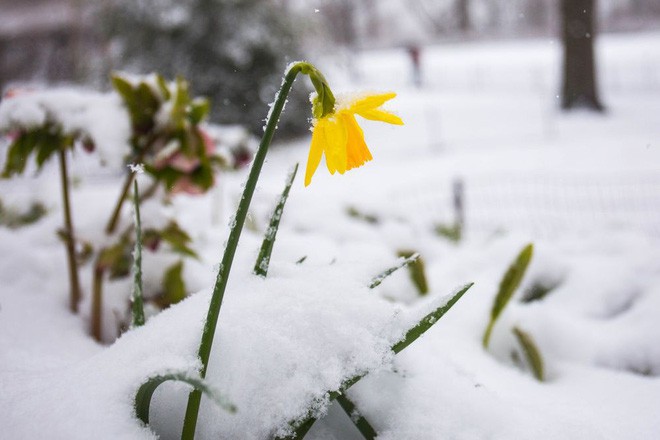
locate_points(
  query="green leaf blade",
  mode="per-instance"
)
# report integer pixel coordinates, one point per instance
(360, 422)
(532, 353)
(144, 394)
(403, 262)
(510, 282)
(417, 272)
(429, 320)
(263, 259)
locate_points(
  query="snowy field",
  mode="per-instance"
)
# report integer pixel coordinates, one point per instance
(584, 188)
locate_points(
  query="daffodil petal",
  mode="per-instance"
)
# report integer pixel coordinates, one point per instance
(370, 102)
(381, 115)
(335, 150)
(315, 152)
(357, 152)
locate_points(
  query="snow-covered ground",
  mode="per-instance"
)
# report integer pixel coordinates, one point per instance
(585, 189)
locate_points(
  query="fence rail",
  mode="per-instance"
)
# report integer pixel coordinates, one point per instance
(544, 205)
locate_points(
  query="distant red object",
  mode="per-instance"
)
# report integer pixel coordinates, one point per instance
(415, 59)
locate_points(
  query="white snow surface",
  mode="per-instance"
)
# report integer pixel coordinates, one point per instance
(583, 188)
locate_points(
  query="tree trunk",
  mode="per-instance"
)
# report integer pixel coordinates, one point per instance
(579, 73)
(463, 15)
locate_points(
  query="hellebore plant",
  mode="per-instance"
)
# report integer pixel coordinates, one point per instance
(158, 123)
(167, 140)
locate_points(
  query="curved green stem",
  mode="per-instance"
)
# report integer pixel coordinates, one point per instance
(194, 399)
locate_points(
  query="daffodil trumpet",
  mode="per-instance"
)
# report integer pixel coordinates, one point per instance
(338, 136)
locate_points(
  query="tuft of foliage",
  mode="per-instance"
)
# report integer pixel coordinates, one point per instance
(232, 51)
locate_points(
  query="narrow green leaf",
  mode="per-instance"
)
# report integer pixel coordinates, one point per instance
(263, 259)
(162, 86)
(417, 272)
(452, 232)
(199, 108)
(508, 286)
(137, 297)
(181, 101)
(360, 422)
(178, 239)
(403, 262)
(174, 288)
(18, 153)
(532, 353)
(49, 143)
(142, 402)
(13, 219)
(539, 289)
(123, 87)
(116, 258)
(352, 211)
(129, 96)
(427, 322)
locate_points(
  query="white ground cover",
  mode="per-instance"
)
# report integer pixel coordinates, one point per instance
(583, 188)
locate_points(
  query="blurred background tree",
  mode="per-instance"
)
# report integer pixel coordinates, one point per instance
(231, 51)
(579, 72)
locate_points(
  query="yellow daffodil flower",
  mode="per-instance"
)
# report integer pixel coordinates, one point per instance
(338, 135)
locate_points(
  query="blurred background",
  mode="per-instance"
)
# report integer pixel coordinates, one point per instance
(234, 51)
(490, 81)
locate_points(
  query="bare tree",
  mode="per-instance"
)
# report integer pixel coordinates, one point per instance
(579, 73)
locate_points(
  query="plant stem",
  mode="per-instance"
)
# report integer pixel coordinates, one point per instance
(97, 294)
(74, 283)
(112, 224)
(138, 307)
(194, 399)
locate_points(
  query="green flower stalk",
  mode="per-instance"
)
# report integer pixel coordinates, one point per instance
(323, 104)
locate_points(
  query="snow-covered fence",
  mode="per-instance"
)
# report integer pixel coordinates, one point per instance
(544, 205)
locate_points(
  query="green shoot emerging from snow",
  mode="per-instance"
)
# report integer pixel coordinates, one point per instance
(508, 286)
